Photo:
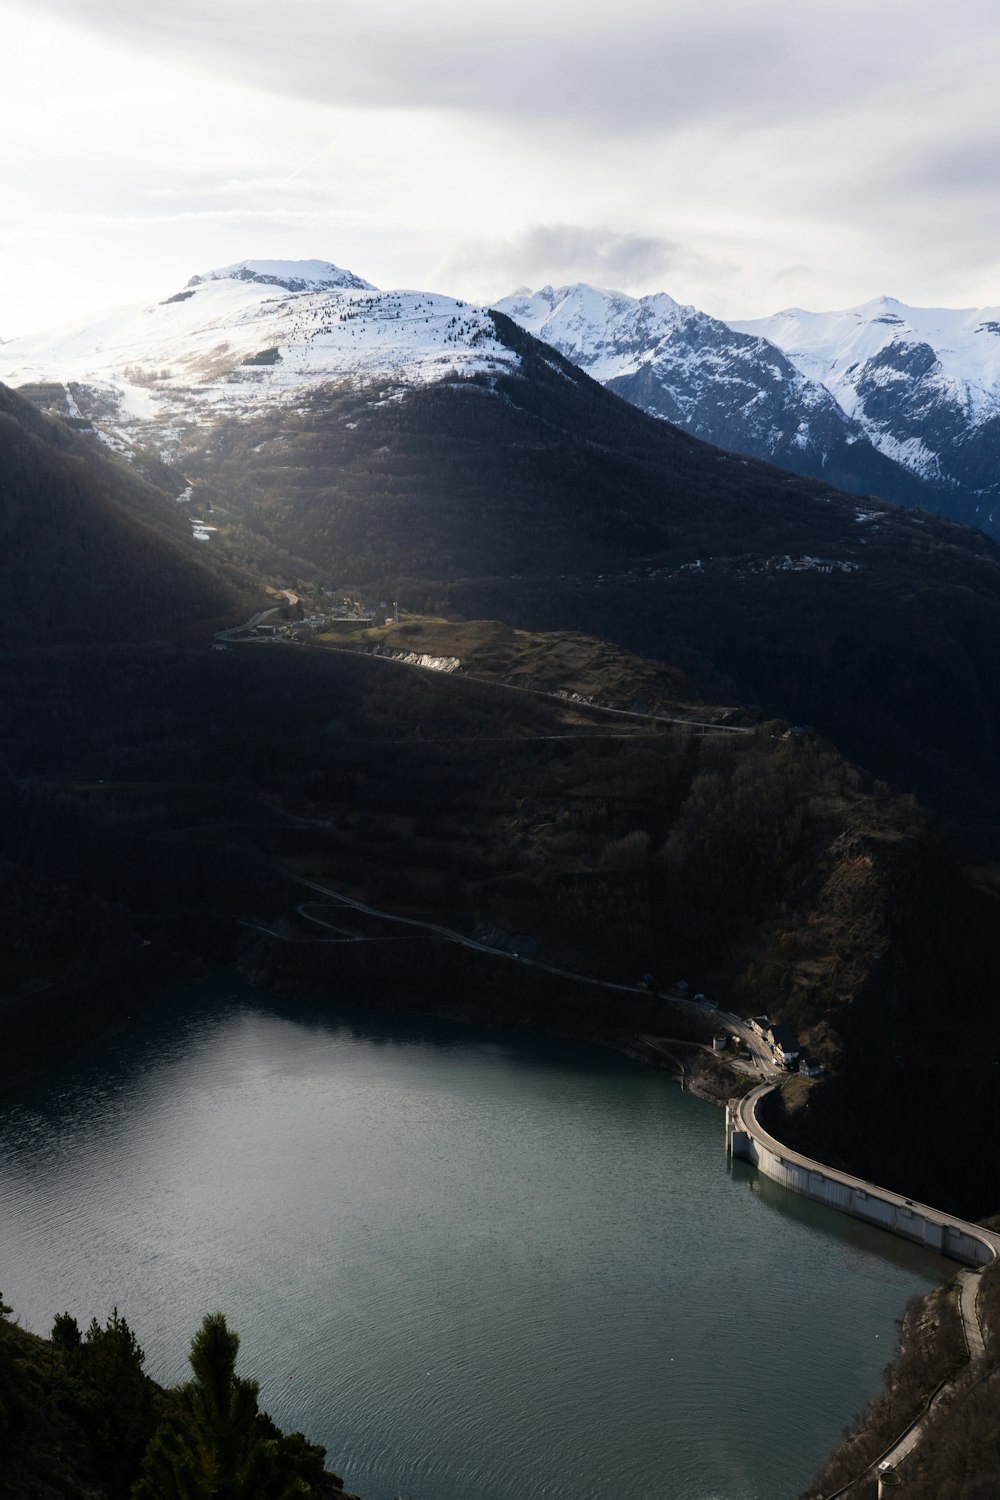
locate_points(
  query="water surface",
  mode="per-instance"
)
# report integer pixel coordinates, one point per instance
(474, 1266)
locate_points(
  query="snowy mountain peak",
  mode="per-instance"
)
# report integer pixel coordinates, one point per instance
(291, 275)
(258, 335)
(959, 360)
(729, 384)
(581, 295)
(607, 333)
(923, 384)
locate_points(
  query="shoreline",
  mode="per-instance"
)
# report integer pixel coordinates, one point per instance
(693, 1064)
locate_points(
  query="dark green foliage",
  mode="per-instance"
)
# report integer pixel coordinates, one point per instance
(80, 1418)
(225, 1449)
(6, 1382)
(169, 1471)
(119, 1396)
(66, 1334)
(80, 1412)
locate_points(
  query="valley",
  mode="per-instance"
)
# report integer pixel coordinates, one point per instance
(472, 690)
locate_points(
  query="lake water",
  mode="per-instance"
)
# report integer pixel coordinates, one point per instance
(474, 1266)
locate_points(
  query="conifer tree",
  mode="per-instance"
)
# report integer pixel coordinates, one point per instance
(222, 1455)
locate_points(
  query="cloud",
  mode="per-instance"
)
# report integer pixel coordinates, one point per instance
(734, 155)
(560, 253)
(640, 65)
(953, 168)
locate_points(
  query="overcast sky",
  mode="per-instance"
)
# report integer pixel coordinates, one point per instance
(743, 157)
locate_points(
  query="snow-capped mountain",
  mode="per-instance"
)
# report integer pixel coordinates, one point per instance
(923, 383)
(292, 275)
(248, 337)
(733, 388)
(861, 400)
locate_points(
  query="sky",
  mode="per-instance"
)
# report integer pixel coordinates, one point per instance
(742, 157)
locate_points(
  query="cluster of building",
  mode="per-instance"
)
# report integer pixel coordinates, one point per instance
(352, 608)
(751, 564)
(783, 1045)
(345, 610)
(807, 564)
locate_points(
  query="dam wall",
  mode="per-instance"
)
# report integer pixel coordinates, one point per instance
(747, 1139)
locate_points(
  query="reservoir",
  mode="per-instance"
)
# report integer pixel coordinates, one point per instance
(474, 1265)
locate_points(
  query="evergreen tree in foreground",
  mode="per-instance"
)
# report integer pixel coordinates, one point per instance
(228, 1449)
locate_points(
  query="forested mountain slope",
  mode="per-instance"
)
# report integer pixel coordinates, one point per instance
(88, 550)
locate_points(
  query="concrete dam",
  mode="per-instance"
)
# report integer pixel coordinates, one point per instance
(747, 1139)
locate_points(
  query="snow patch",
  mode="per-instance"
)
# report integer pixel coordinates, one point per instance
(846, 349)
(185, 359)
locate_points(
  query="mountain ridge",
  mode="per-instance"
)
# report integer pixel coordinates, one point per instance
(883, 398)
(467, 464)
(924, 383)
(736, 390)
(859, 399)
(239, 340)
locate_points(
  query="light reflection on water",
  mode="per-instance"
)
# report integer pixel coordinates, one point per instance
(474, 1266)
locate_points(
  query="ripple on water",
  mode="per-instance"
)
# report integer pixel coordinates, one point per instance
(472, 1267)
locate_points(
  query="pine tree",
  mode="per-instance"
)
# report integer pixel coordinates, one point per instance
(223, 1454)
(66, 1333)
(120, 1398)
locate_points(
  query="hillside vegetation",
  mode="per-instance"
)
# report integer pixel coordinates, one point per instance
(88, 551)
(560, 662)
(162, 803)
(79, 1417)
(759, 863)
(958, 1455)
(541, 500)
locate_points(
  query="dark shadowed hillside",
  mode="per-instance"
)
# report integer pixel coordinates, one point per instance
(89, 551)
(534, 472)
(538, 498)
(752, 861)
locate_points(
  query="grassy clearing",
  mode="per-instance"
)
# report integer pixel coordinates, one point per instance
(546, 661)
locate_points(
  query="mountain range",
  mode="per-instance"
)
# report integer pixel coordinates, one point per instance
(273, 430)
(885, 400)
(881, 399)
(313, 428)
